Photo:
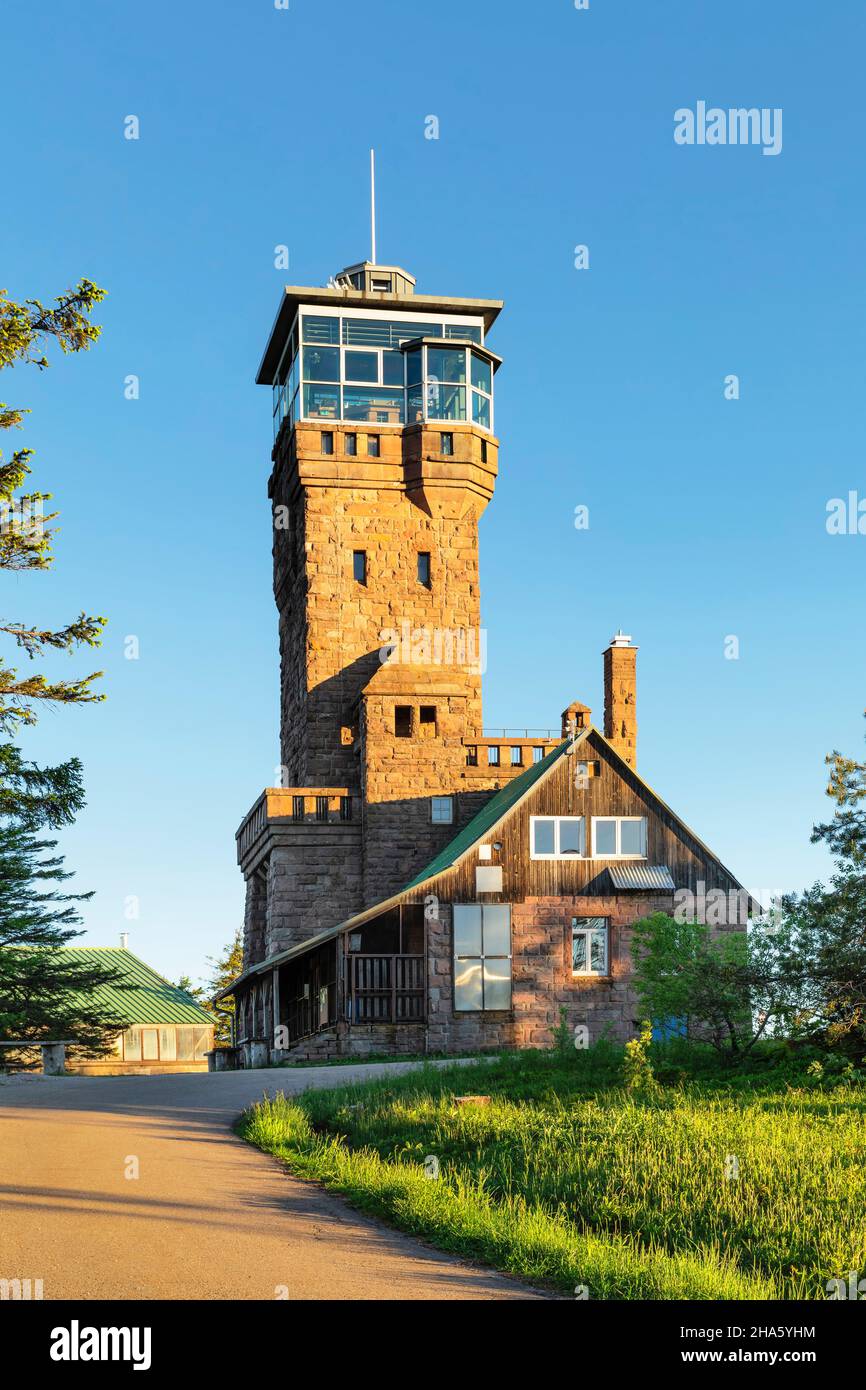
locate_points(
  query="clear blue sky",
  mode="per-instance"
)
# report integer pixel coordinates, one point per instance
(707, 516)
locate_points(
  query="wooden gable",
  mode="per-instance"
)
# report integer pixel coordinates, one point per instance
(590, 781)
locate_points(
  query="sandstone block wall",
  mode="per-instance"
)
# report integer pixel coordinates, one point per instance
(331, 626)
(542, 983)
(313, 882)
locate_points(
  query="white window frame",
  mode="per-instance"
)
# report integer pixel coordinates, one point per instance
(618, 821)
(556, 851)
(282, 406)
(587, 931)
(439, 820)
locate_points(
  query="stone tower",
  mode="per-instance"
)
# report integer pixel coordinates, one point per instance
(384, 459)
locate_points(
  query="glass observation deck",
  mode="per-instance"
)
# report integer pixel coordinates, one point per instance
(369, 367)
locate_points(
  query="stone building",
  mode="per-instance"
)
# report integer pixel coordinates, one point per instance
(416, 883)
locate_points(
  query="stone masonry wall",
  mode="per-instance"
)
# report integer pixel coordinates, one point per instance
(542, 983)
(330, 625)
(400, 777)
(313, 882)
(542, 978)
(255, 919)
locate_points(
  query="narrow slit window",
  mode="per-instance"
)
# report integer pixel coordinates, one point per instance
(373, 443)
(424, 572)
(327, 441)
(359, 566)
(402, 721)
(446, 443)
(350, 443)
(427, 721)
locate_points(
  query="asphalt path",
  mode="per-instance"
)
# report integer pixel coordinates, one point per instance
(135, 1187)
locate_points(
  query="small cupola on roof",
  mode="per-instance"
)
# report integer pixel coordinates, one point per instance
(376, 279)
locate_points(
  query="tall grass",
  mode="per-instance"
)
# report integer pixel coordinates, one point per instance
(699, 1192)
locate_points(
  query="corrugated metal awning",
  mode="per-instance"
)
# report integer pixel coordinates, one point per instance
(656, 878)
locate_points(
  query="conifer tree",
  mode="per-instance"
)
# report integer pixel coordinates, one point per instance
(44, 991)
(226, 969)
(25, 532)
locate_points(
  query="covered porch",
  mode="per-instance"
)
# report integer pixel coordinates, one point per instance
(368, 972)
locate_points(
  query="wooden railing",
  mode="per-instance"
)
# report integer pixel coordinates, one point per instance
(386, 989)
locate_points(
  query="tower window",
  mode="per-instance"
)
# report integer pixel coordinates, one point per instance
(537, 755)
(493, 757)
(442, 810)
(446, 443)
(402, 721)
(427, 721)
(517, 756)
(424, 568)
(373, 448)
(359, 566)
(484, 451)
(327, 441)
(350, 443)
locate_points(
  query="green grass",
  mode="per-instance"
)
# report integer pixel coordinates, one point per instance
(570, 1180)
(362, 1061)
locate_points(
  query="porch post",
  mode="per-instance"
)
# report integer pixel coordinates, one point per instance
(275, 995)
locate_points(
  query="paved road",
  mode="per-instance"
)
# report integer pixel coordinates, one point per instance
(208, 1216)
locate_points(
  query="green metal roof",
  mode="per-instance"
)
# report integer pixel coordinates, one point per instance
(493, 811)
(152, 1000)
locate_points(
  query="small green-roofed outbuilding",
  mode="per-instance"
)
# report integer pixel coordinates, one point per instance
(167, 1030)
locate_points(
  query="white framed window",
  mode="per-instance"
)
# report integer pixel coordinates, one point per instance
(482, 957)
(442, 810)
(619, 837)
(557, 837)
(351, 367)
(589, 945)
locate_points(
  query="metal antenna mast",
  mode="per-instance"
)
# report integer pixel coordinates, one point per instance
(373, 204)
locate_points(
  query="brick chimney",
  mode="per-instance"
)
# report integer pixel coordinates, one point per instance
(578, 714)
(620, 697)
